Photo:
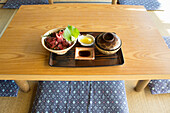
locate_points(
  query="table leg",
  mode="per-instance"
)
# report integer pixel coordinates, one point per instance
(114, 1)
(50, 1)
(141, 85)
(23, 85)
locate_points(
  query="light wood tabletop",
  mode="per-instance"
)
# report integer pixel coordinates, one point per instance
(22, 57)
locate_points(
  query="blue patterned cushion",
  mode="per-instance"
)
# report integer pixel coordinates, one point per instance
(15, 4)
(8, 88)
(167, 40)
(148, 4)
(80, 97)
(159, 86)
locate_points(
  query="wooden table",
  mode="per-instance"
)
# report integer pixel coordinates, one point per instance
(23, 58)
(52, 1)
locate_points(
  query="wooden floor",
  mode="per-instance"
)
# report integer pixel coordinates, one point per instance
(143, 102)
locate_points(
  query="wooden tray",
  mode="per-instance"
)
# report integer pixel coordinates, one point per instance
(67, 60)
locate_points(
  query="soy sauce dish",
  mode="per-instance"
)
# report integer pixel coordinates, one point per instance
(86, 40)
(83, 53)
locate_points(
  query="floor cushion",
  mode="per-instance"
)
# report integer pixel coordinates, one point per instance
(167, 40)
(8, 88)
(159, 86)
(148, 4)
(15, 4)
(80, 97)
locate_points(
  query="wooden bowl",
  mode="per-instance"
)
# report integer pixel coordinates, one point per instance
(115, 46)
(106, 52)
(59, 52)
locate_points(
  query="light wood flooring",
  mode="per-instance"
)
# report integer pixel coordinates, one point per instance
(145, 102)
(138, 102)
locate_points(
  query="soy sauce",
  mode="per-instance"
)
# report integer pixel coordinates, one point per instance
(84, 53)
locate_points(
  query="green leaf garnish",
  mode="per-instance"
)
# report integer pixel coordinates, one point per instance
(71, 31)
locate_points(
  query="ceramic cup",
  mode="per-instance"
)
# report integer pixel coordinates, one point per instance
(108, 43)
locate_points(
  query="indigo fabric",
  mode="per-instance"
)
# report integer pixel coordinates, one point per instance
(80, 97)
(159, 86)
(167, 40)
(15, 4)
(148, 4)
(8, 88)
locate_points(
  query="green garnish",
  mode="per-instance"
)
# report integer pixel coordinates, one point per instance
(69, 32)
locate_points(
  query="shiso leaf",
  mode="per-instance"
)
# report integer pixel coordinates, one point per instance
(71, 31)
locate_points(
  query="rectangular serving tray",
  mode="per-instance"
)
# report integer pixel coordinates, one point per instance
(68, 60)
